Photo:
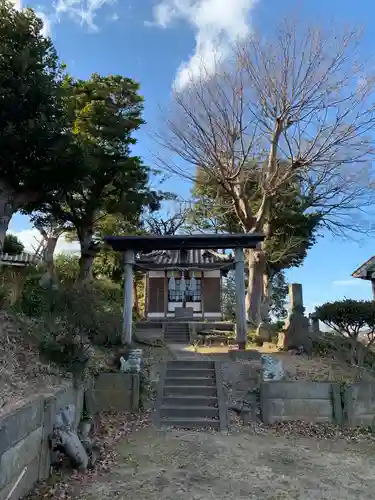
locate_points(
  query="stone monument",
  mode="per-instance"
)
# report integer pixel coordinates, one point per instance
(297, 331)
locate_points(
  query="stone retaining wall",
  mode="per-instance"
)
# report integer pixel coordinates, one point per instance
(25, 432)
(118, 392)
(318, 402)
(359, 405)
(24, 440)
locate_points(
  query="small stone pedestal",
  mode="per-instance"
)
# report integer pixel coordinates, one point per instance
(184, 313)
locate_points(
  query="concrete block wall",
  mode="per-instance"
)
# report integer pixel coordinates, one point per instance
(117, 392)
(24, 440)
(359, 405)
(318, 402)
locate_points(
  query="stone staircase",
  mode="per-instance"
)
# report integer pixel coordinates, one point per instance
(176, 332)
(188, 396)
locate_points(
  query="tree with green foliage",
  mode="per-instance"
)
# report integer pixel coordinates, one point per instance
(13, 245)
(279, 296)
(33, 139)
(351, 319)
(104, 114)
(292, 231)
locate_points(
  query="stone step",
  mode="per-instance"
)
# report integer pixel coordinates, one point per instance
(200, 364)
(178, 400)
(194, 381)
(190, 423)
(176, 335)
(189, 390)
(189, 411)
(177, 340)
(190, 372)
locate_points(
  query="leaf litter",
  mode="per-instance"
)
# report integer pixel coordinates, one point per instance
(109, 429)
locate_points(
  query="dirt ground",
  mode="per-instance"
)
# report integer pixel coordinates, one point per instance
(169, 464)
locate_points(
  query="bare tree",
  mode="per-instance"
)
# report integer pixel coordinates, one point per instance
(299, 107)
(170, 223)
(51, 232)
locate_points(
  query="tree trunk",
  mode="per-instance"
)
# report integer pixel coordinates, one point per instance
(135, 298)
(50, 279)
(10, 202)
(256, 260)
(266, 298)
(7, 208)
(86, 260)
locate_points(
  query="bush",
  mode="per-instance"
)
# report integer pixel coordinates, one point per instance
(350, 319)
(67, 268)
(3, 295)
(254, 339)
(63, 344)
(94, 310)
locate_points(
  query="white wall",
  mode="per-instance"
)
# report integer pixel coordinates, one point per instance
(156, 274)
(195, 305)
(212, 274)
(197, 315)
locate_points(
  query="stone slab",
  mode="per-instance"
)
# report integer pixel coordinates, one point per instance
(25, 485)
(23, 453)
(17, 425)
(184, 312)
(359, 405)
(118, 392)
(296, 389)
(221, 397)
(113, 382)
(308, 410)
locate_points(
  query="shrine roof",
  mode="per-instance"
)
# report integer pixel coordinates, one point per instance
(20, 260)
(192, 258)
(149, 243)
(366, 270)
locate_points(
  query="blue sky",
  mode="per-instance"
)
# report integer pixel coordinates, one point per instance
(152, 40)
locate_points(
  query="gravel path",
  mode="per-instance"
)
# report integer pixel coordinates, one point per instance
(169, 464)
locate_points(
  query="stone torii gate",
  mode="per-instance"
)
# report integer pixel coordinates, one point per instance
(130, 245)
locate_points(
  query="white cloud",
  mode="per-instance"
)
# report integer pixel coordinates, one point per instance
(83, 12)
(46, 23)
(31, 237)
(215, 22)
(17, 4)
(349, 282)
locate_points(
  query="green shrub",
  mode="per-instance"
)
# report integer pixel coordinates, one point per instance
(60, 342)
(353, 322)
(258, 342)
(348, 317)
(3, 295)
(251, 336)
(93, 309)
(67, 268)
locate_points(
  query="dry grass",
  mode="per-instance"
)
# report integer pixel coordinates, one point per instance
(23, 375)
(299, 367)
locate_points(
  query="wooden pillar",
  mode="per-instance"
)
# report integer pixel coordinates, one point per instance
(147, 293)
(127, 320)
(373, 288)
(202, 293)
(165, 294)
(240, 299)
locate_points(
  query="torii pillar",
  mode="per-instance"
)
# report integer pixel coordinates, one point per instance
(127, 318)
(241, 323)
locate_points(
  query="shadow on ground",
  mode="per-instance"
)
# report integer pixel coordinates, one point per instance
(168, 464)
